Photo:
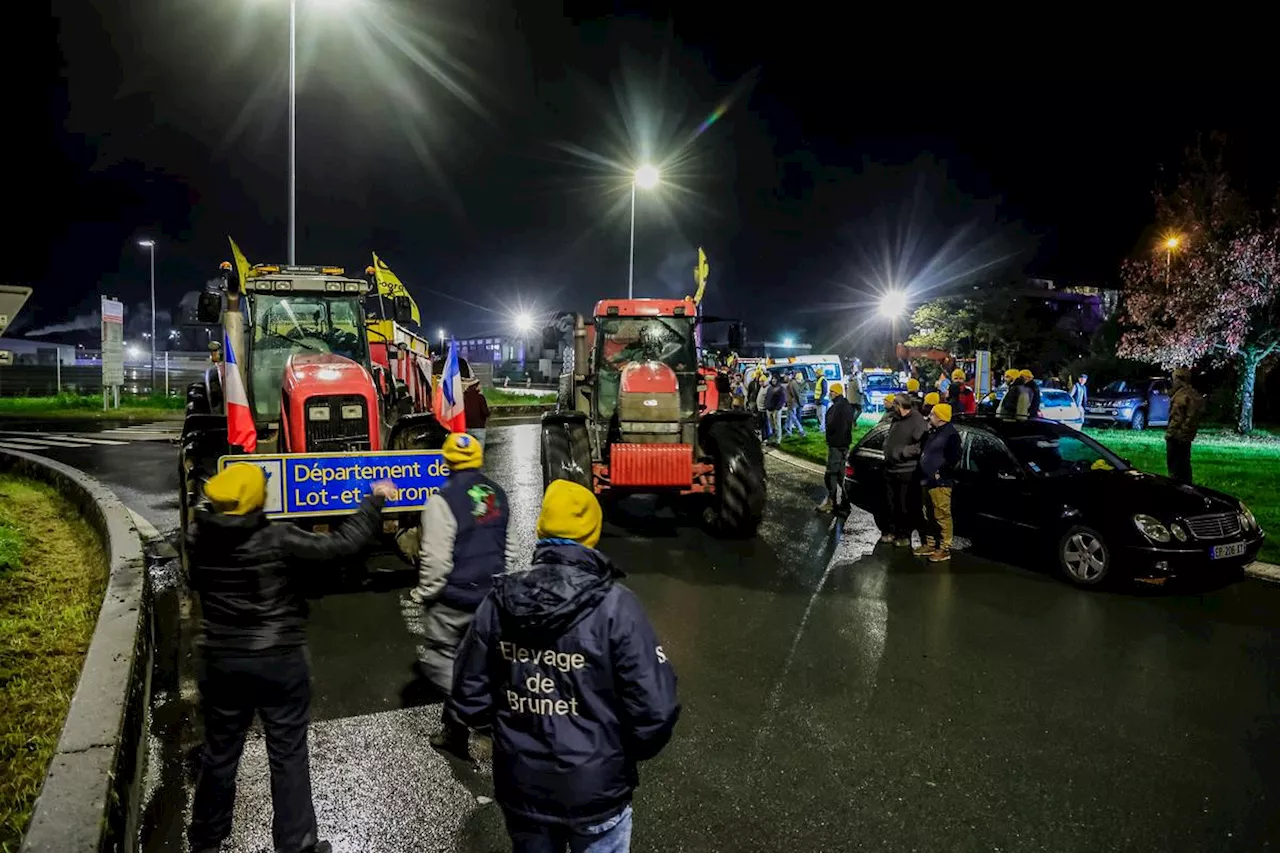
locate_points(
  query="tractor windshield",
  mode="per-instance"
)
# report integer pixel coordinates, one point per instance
(622, 340)
(284, 325)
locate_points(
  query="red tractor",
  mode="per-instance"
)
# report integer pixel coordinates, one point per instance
(635, 415)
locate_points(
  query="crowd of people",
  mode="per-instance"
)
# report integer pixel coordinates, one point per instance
(547, 655)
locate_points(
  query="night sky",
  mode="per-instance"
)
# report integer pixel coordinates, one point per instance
(482, 149)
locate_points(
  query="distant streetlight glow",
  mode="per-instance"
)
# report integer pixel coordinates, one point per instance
(524, 323)
(646, 178)
(1171, 243)
(788, 342)
(893, 304)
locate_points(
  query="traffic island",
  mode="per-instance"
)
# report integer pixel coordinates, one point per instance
(75, 624)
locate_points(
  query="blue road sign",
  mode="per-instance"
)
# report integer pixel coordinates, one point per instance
(310, 484)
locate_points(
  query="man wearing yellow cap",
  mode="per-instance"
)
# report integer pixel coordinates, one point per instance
(1016, 404)
(247, 574)
(938, 460)
(464, 544)
(563, 663)
(839, 429)
(1033, 393)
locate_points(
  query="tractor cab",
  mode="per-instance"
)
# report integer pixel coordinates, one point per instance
(645, 347)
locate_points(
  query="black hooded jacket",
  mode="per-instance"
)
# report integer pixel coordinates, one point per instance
(247, 573)
(563, 663)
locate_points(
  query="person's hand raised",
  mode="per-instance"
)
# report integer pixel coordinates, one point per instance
(385, 489)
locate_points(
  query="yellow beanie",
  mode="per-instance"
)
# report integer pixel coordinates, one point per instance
(462, 451)
(570, 511)
(837, 389)
(1011, 374)
(943, 411)
(913, 385)
(1026, 374)
(240, 489)
(957, 375)
(932, 398)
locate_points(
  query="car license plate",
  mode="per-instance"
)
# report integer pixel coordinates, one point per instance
(1097, 410)
(1221, 552)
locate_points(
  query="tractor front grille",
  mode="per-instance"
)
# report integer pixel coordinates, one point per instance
(335, 433)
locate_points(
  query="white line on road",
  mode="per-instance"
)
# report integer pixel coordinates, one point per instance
(15, 445)
(103, 441)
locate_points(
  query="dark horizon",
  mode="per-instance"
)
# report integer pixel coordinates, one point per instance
(809, 184)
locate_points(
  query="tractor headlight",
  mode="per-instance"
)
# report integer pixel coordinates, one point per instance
(1151, 528)
(318, 413)
(352, 413)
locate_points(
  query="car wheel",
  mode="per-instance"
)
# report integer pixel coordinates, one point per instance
(1084, 556)
(1139, 421)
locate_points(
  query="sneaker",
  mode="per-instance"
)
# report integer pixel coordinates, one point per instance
(940, 556)
(923, 550)
(453, 741)
(825, 506)
(887, 539)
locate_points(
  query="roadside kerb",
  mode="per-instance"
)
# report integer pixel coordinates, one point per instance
(1268, 572)
(90, 798)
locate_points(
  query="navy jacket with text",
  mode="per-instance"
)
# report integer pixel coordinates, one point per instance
(563, 663)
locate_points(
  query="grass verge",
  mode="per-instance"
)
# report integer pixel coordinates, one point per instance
(52, 577)
(1247, 468)
(503, 397)
(89, 406)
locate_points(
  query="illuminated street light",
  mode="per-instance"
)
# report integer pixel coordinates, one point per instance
(524, 323)
(788, 342)
(1172, 242)
(150, 246)
(893, 304)
(646, 178)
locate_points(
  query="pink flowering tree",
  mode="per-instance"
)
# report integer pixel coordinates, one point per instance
(1217, 293)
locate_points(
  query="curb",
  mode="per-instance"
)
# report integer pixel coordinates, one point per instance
(1268, 572)
(90, 797)
(518, 411)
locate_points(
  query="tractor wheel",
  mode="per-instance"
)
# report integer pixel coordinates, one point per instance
(566, 452)
(740, 484)
(190, 488)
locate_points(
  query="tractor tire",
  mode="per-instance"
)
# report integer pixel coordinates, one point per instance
(190, 490)
(740, 481)
(566, 452)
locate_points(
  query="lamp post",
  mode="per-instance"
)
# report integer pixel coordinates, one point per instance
(1169, 245)
(646, 178)
(892, 305)
(293, 91)
(150, 246)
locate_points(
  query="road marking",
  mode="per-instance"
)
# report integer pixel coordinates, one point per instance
(13, 445)
(103, 441)
(40, 440)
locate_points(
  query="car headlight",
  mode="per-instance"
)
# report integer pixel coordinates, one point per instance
(1179, 532)
(1247, 520)
(1151, 528)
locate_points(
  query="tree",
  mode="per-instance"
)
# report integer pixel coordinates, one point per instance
(1219, 292)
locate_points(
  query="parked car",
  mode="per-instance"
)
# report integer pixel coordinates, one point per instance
(1135, 403)
(1055, 405)
(1028, 484)
(879, 383)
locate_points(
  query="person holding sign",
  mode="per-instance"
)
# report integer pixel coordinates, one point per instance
(464, 544)
(247, 573)
(562, 662)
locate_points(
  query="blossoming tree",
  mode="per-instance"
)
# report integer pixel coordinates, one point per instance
(1218, 293)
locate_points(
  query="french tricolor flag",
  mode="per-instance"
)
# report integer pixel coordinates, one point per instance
(240, 428)
(446, 402)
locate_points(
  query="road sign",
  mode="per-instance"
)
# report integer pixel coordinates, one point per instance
(311, 484)
(6, 356)
(112, 342)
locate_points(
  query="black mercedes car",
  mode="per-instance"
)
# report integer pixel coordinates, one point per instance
(1040, 483)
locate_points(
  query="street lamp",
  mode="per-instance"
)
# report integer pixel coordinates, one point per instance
(893, 304)
(1170, 244)
(150, 246)
(788, 342)
(524, 324)
(646, 178)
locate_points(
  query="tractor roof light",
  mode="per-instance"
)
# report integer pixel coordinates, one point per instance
(333, 285)
(332, 270)
(352, 287)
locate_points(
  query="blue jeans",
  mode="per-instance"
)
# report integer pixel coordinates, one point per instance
(793, 420)
(823, 405)
(611, 836)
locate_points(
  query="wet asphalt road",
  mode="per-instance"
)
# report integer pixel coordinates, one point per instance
(837, 696)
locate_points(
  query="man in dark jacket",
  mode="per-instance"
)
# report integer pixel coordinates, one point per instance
(938, 460)
(246, 573)
(464, 544)
(839, 429)
(1016, 404)
(901, 458)
(775, 403)
(476, 408)
(1033, 393)
(1186, 405)
(564, 665)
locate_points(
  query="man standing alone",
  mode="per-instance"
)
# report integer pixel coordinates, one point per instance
(1186, 405)
(839, 429)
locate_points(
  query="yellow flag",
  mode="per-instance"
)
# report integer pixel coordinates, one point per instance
(242, 265)
(700, 273)
(389, 284)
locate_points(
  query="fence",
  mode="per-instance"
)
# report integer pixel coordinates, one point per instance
(39, 380)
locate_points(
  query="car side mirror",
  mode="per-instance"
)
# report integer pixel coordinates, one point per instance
(209, 308)
(403, 309)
